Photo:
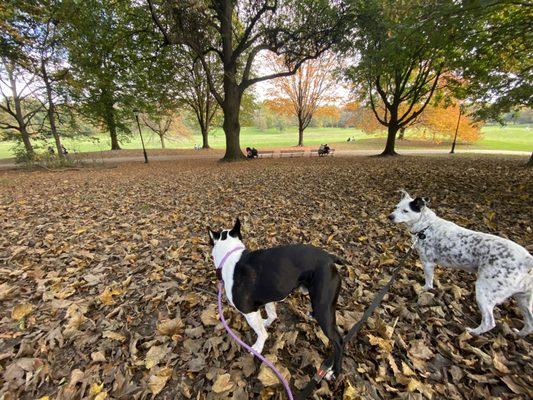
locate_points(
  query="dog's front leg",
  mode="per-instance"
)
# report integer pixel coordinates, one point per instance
(271, 314)
(256, 322)
(429, 267)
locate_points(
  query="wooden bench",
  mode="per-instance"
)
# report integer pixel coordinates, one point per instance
(315, 153)
(291, 153)
(265, 154)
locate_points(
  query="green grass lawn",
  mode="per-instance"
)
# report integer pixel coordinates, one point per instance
(495, 137)
(510, 137)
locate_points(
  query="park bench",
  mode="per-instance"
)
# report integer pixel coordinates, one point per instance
(265, 154)
(291, 153)
(314, 153)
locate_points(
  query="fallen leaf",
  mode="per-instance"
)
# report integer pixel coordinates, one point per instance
(21, 310)
(222, 383)
(114, 335)
(158, 382)
(155, 355)
(209, 315)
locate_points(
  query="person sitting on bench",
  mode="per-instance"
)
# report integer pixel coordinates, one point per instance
(251, 152)
(323, 149)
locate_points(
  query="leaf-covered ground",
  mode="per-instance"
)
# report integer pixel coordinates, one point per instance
(107, 289)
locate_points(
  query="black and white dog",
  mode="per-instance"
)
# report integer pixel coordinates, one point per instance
(503, 268)
(253, 279)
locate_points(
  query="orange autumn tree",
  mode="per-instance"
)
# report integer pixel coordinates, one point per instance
(307, 90)
(437, 122)
(361, 117)
(440, 124)
(327, 115)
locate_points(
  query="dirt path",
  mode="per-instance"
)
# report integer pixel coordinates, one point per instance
(343, 153)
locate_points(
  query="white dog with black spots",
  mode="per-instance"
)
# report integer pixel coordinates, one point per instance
(503, 267)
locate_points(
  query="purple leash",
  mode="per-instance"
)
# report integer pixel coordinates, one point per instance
(235, 337)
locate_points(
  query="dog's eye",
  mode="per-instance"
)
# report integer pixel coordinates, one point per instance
(405, 211)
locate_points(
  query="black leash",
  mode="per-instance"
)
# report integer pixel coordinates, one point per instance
(328, 363)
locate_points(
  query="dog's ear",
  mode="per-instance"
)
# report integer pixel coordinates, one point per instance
(427, 200)
(213, 236)
(404, 193)
(417, 204)
(236, 230)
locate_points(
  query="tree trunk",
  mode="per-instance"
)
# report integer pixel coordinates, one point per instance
(113, 133)
(19, 117)
(26, 140)
(231, 125)
(452, 151)
(205, 137)
(162, 137)
(51, 111)
(109, 117)
(300, 134)
(231, 104)
(391, 140)
(530, 162)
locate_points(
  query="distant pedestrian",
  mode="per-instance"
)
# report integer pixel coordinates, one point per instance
(51, 150)
(64, 150)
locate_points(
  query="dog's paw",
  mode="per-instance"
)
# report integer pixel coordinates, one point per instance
(427, 287)
(475, 331)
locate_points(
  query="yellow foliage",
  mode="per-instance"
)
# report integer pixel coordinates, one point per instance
(439, 123)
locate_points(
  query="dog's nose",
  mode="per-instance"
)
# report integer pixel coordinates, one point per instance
(391, 217)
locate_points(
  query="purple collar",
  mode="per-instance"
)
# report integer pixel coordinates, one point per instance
(224, 259)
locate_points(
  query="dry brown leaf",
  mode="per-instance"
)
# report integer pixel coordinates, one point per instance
(222, 383)
(155, 355)
(21, 310)
(349, 393)
(385, 345)
(268, 377)
(420, 350)
(106, 297)
(209, 315)
(170, 327)
(499, 363)
(114, 335)
(157, 383)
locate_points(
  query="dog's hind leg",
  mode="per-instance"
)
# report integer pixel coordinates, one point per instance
(324, 293)
(256, 322)
(525, 302)
(271, 314)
